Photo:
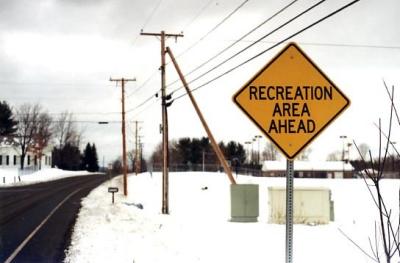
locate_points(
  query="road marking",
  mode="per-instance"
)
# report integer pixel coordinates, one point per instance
(22, 245)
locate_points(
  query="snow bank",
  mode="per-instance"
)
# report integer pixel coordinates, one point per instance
(198, 227)
(10, 177)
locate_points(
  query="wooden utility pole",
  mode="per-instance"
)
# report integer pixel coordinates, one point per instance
(124, 161)
(214, 144)
(164, 105)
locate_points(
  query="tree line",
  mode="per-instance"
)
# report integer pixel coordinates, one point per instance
(189, 153)
(31, 129)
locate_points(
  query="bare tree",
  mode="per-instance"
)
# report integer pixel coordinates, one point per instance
(304, 155)
(270, 152)
(27, 116)
(363, 150)
(43, 135)
(387, 234)
(334, 156)
(66, 131)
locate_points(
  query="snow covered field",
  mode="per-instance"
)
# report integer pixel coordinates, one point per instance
(9, 177)
(198, 227)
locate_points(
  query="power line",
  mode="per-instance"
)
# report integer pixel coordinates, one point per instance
(185, 51)
(152, 14)
(261, 53)
(198, 14)
(237, 41)
(143, 84)
(213, 29)
(334, 44)
(87, 113)
(23, 83)
(148, 20)
(144, 102)
(252, 44)
(219, 53)
(193, 45)
(273, 46)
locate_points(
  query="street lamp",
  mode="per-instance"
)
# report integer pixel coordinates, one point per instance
(258, 137)
(343, 137)
(393, 154)
(252, 150)
(349, 144)
(248, 150)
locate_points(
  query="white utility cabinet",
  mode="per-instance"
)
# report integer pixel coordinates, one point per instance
(311, 205)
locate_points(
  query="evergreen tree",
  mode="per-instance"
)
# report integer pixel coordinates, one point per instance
(184, 151)
(94, 160)
(7, 123)
(236, 153)
(86, 157)
(90, 160)
(67, 158)
(195, 151)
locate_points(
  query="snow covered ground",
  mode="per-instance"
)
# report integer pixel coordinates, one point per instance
(198, 227)
(10, 177)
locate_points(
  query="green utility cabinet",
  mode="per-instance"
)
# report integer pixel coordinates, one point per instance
(244, 202)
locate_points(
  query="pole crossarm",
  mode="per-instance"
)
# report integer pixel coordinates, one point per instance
(159, 34)
(122, 79)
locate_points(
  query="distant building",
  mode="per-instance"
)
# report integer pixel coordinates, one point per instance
(310, 169)
(10, 157)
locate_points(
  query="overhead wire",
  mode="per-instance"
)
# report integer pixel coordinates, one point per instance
(213, 29)
(271, 47)
(145, 23)
(234, 68)
(259, 54)
(252, 44)
(222, 51)
(236, 41)
(143, 84)
(145, 108)
(334, 44)
(185, 51)
(148, 20)
(142, 103)
(187, 25)
(152, 14)
(197, 15)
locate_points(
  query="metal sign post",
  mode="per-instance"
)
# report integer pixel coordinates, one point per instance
(113, 190)
(291, 101)
(289, 210)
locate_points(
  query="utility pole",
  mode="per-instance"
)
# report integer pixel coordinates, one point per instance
(137, 146)
(124, 161)
(164, 105)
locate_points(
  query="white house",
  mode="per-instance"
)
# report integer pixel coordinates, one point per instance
(310, 169)
(10, 158)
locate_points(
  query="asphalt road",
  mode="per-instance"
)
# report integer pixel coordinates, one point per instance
(36, 220)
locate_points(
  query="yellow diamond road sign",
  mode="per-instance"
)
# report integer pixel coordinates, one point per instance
(291, 100)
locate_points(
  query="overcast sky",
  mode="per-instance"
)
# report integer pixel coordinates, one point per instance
(61, 53)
